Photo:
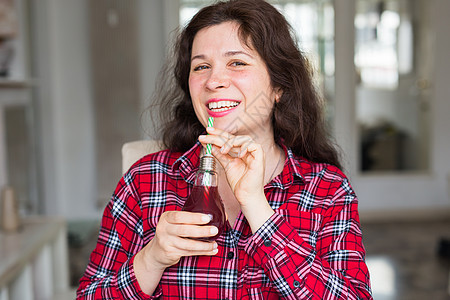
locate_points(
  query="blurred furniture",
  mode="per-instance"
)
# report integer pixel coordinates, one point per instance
(383, 148)
(133, 151)
(34, 260)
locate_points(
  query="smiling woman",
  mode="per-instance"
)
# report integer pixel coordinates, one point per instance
(292, 229)
(289, 73)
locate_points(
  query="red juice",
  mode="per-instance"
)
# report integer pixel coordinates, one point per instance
(206, 200)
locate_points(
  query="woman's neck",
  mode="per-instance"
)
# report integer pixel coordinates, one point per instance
(274, 156)
(274, 160)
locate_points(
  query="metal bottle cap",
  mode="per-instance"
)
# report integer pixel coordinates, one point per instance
(207, 163)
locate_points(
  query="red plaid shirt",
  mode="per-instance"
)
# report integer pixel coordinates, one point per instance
(311, 248)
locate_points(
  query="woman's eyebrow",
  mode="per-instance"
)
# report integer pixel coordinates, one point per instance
(226, 54)
(200, 56)
(237, 52)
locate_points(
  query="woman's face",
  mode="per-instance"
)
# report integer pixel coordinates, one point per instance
(230, 82)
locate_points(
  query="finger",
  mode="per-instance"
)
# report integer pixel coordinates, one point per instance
(245, 148)
(256, 153)
(220, 132)
(235, 143)
(225, 160)
(190, 247)
(219, 135)
(192, 231)
(227, 142)
(223, 145)
(185, 217)
(179, 246)
(254, 149)
(201, 253)
(215, 139)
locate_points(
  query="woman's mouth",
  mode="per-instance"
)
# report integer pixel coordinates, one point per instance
(221, 106)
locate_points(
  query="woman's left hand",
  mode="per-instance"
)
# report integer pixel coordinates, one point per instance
(243, 161)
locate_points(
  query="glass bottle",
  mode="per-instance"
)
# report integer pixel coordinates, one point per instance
(205, 198)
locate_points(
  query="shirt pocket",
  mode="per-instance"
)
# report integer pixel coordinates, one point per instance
(307, 224)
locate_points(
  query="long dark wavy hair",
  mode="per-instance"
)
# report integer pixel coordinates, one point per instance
(297, 117)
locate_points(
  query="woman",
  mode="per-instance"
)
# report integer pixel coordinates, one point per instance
(293, 228)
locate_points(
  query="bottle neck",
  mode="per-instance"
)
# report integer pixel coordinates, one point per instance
(206, 175)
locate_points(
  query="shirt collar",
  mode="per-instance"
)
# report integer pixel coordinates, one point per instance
(291, 170)
(187, 164)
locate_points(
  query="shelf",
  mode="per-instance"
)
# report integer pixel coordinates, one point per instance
(34, 260)
(15, 84)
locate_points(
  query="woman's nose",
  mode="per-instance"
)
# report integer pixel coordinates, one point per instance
(218, 79)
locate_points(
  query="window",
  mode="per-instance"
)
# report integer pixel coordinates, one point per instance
(384, 43)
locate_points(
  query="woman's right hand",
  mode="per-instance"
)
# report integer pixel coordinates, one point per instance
(172, 240)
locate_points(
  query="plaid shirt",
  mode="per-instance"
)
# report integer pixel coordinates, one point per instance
(311, 248)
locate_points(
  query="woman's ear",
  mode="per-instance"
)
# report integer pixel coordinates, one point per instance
(278, 94)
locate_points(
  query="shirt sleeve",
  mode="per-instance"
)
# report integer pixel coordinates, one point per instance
(110, 273)
(333, 269)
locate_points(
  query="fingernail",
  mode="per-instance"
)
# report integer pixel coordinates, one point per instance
(201, 137)
(214, 230)
(207, 218)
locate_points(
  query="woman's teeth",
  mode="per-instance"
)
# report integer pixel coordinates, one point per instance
(222, 105)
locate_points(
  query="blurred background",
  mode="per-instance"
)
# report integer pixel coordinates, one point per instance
(76, 77)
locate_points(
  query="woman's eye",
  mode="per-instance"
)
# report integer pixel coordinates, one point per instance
(201, 67)
(238, 63)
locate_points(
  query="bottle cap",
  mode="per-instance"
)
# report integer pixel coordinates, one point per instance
(207, 163)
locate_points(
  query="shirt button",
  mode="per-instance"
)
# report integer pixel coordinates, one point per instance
(296, 283)
(230, 255)
(267, 243)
